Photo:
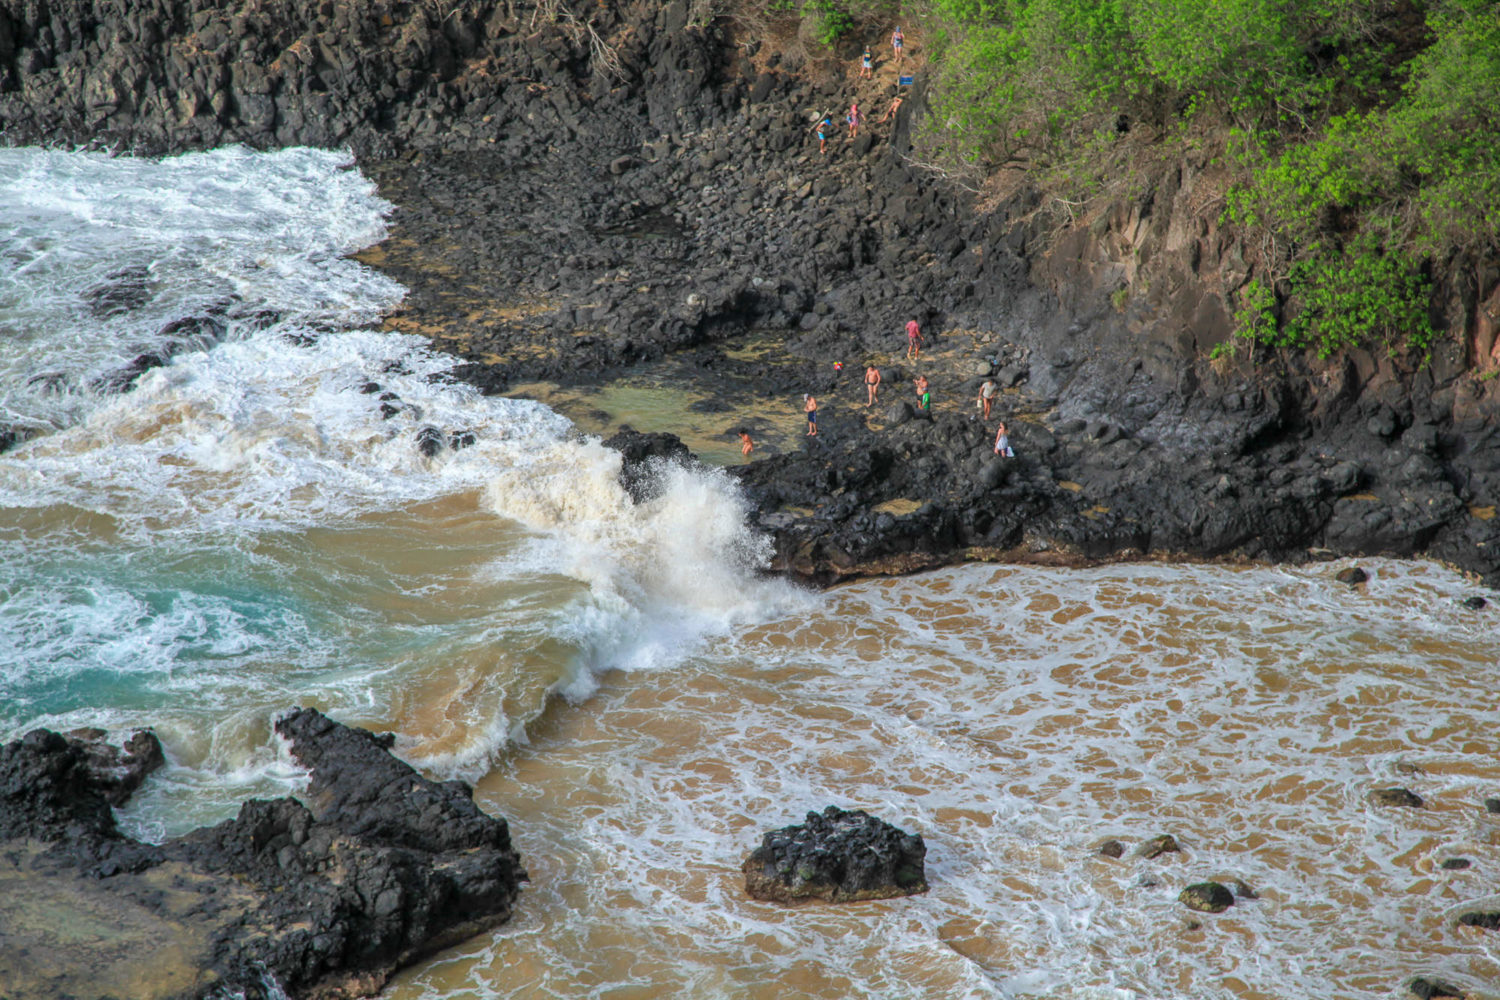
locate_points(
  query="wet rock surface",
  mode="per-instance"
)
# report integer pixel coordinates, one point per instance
(1159, 845)
(325, 895)
(1401, 797)
(837, 856)
(1206, 897)
(658, 193)
(1435, 989)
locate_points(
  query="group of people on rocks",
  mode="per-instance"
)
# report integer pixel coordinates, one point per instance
(985, 401)
(854, 117)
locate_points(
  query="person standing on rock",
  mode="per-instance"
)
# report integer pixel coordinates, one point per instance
(865, 66)
(853, 119)
(810, 406)
(987, 393)
(746, 445)
(913, 340)
(897, 40)
(824, 126)
(872, 384)
(1002, 442)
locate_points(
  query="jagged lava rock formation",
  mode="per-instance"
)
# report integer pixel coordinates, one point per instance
(324, 899)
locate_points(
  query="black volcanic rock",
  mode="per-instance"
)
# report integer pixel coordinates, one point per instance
(379, 868)
(836, 856)
(643, 456)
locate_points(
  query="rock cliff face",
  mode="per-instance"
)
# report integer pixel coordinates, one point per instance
(325, 898)
(640, 180)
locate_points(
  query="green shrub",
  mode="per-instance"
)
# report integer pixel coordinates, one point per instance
(1366, 144)
(831, 22)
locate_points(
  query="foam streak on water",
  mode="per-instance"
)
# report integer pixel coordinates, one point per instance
(1018, 718)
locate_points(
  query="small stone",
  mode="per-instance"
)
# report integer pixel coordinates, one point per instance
(1396, 797)
(1475, 603)
(1456, 864)
(1157, 846)
(1488, 920)
(1112, 849)
(1492, 806)
(1243, 891)
(1206, 897)
(1353, 575)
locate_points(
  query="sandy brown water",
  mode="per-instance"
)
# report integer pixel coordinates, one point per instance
(1018, 718)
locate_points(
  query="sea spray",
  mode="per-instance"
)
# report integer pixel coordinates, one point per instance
(252, 527)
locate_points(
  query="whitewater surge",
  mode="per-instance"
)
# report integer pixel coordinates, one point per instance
(253, 525)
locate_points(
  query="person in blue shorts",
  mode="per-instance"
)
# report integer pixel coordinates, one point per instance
(810, 407)
(865, 65)
(824, 126)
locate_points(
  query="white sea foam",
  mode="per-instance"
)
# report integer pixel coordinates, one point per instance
(1017, 718)
(230, 234)
(190, 540)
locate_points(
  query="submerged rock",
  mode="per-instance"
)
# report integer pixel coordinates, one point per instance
(1157, 846)
(328, 897)
(837, 856)
(429, 441)
(1396, 797)
(1207, 897)
(1434, 989)
(1112, 849)
(1353, 575)
(1488, 920)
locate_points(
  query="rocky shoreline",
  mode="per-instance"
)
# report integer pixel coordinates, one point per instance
(579, 195)
(324, 896)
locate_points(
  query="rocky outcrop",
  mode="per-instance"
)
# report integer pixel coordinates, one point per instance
(321, 898)
(836, 856)
(642, 457)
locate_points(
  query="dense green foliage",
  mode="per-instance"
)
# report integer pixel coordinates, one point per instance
(1365, 134)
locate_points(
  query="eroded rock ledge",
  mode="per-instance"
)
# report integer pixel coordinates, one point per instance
(325, 896)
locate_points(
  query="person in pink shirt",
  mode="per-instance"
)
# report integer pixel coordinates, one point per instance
(913, 340)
